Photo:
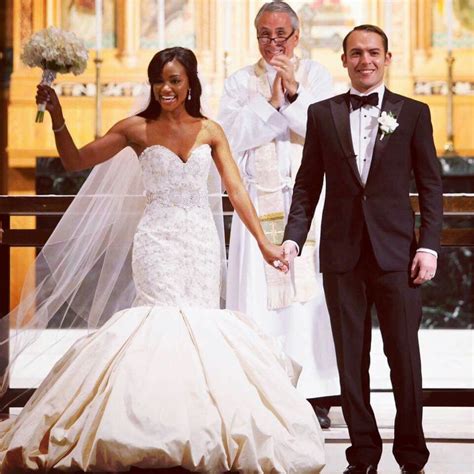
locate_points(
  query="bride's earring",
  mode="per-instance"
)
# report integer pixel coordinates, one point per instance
(189, 94)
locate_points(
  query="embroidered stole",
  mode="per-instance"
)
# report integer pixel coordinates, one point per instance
(299, 284)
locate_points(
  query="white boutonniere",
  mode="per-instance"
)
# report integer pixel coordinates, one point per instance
(387, 123)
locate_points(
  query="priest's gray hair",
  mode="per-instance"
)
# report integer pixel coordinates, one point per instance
(278, 7)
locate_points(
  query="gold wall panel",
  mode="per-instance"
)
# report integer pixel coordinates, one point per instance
(222, 46)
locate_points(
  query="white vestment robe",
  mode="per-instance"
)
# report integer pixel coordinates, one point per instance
(249, 122)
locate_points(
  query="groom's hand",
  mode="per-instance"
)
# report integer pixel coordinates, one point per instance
(290, 252)
(423, 267)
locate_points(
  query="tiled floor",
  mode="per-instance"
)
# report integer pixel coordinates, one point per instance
(445, 458)
(444, 429)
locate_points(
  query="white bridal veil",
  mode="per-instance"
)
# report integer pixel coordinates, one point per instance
(83, 274)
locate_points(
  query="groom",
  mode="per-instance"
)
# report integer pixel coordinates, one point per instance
(368, 142)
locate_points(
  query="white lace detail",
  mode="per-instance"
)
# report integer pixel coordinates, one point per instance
(173, 198)
(176, 253)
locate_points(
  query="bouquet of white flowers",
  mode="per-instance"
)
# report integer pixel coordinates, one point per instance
(54, 50)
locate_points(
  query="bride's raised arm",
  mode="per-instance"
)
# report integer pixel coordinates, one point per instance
(95, 152)
(238, 194)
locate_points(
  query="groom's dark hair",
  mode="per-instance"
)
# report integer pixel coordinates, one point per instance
(370, 29)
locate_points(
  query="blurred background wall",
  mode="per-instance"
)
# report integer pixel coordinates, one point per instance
(222, 34)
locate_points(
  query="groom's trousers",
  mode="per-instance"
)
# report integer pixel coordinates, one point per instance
(350, 297)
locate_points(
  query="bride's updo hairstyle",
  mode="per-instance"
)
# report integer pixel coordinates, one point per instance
(155, 69)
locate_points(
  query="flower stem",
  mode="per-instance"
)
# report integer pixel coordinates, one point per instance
(47, 78)
(39, 116)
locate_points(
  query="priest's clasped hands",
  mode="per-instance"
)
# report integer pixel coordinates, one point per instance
(285, 83)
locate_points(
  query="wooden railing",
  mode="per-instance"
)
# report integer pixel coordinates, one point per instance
(454, 205)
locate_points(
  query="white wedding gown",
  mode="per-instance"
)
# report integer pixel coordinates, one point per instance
(172, 381)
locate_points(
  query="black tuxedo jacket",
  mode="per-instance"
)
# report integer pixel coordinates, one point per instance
(383, 205)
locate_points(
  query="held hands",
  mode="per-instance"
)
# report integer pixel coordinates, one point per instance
(423, 267)
(273, 255)
(288, 251)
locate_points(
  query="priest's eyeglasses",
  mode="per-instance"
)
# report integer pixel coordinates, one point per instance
(278, 40)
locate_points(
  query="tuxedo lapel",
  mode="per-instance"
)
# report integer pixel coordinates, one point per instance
(340, 115)
(391, 103)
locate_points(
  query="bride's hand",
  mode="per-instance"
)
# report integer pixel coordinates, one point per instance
(47, 95)
(273, 255)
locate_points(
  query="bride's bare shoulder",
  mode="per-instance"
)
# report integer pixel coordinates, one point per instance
(213, 128)
(132, 128)
(132, 121)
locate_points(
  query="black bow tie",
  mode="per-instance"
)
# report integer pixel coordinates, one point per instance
(357, 101)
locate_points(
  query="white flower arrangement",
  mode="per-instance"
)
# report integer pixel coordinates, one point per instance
(387, 123)
(55, 51)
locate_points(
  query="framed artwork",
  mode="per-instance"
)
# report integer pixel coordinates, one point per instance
(165, 23)
(432, 25)
(79, 16)
(324, 23)
(462, 24)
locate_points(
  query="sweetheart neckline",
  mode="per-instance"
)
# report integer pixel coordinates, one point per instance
(172, 152)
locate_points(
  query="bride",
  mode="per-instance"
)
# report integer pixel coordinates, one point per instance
(171, 380)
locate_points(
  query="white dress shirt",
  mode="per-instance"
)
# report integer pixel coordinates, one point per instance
(364, 128)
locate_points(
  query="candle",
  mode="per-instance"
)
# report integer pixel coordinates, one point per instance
(161, 24)
(98, 25)
(388, 18)
(448, 15)
(227, 24)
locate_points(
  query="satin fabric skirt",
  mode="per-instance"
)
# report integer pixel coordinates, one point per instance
(164, 386)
